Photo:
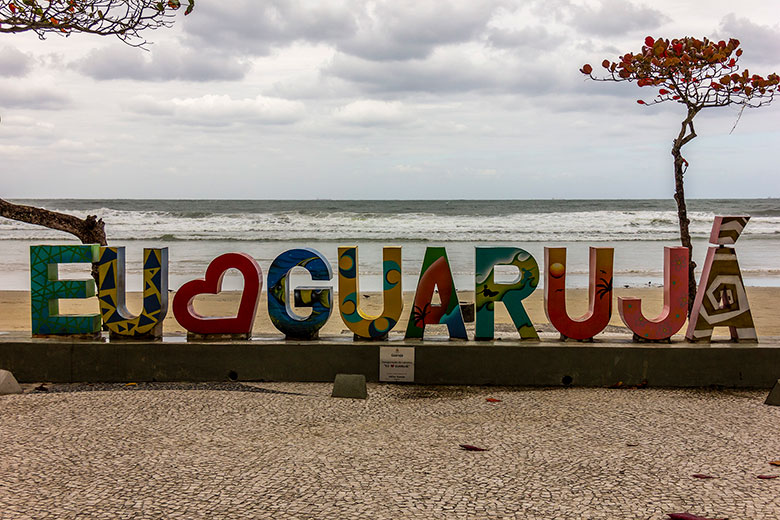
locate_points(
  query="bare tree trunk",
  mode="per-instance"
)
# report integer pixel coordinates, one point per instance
(687, 133)
(90, 230)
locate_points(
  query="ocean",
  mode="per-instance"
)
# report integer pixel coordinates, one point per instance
(196, 231)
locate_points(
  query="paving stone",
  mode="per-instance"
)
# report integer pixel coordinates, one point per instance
(287, 450)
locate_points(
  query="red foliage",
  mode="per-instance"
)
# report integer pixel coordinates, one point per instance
(692, 71)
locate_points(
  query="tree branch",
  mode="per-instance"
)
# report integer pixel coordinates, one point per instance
(90, 230)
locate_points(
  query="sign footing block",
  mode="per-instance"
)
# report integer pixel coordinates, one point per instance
(773, 399)
(8, 383)
(240, 336)
(351, 386)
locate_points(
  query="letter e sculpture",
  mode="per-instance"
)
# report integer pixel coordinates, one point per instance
(46, 289)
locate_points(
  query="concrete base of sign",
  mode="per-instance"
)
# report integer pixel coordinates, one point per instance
(605, 362)
(773, 399)
(8, 383)
(191, 336)
(352, 386)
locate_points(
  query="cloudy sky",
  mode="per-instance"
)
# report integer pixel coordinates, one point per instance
(378, 99)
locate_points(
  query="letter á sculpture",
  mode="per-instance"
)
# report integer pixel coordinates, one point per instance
(721, 299)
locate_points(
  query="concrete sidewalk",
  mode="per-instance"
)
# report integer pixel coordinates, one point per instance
(288, 450)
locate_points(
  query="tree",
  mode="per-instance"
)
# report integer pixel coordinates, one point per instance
(125, 19)
(698, 74)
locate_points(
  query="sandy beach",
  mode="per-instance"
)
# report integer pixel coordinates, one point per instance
(15, 310)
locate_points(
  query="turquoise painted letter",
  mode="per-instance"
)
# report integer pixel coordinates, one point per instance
(46, 289)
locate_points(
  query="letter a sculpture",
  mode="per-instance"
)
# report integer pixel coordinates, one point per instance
(721, 300)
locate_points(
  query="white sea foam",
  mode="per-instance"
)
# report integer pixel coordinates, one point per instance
(198, 231)
(577, 226)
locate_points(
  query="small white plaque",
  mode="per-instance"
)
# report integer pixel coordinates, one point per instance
(396, 364)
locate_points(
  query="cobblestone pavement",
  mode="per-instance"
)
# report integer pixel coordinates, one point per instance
(291, 451)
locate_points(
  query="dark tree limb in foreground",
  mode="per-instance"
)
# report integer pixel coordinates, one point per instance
(698, 74)
(90, 230)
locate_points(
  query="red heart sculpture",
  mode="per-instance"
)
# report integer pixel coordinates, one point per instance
(242, 323)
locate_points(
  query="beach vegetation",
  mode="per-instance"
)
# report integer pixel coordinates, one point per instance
(698, 74)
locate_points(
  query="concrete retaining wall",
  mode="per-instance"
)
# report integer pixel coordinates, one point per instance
(458, 363)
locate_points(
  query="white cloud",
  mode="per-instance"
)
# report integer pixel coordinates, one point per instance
(369, 112)
(761, 43)
(248, 26)
(14, 63)
(458, 69)
(160, 64)
(615, 17)
(409, 29)
(32, 97)
(221, 110)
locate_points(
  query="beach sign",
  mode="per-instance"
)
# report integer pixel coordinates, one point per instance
(318, 299)
(111, 293)
(238, 325)
(599, 293)
(488, 292)
(363, 325)
(675, 308)
(721, 300)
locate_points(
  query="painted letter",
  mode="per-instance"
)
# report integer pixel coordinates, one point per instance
(241, 324)
(320, 298)
(675, 309)
(363, 325)
(721, 299)
(111, 293)
(599, 293)
(46, 289)
(436, 273)
(511, 294)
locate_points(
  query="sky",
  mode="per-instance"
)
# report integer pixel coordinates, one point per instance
(395, 99)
